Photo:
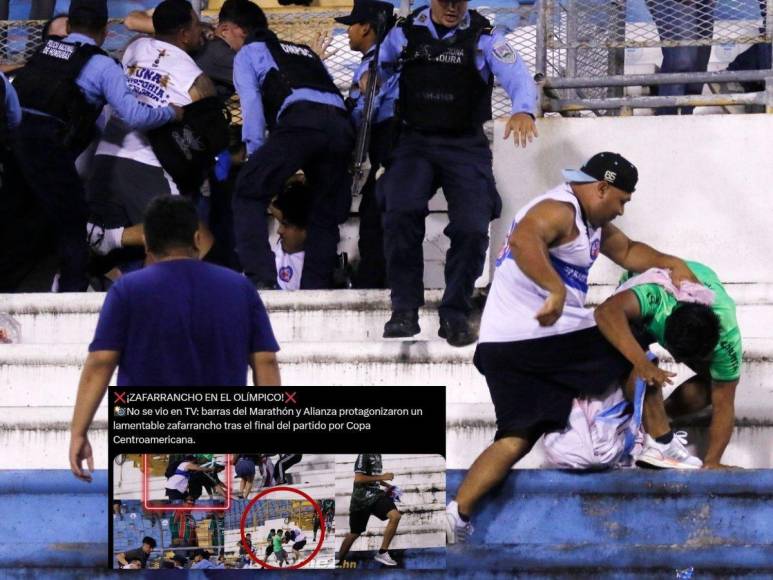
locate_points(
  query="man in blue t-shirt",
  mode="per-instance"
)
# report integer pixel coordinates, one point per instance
(178, 322)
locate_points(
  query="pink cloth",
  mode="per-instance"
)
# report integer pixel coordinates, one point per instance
(687, 292)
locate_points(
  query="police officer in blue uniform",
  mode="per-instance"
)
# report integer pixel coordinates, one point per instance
(446, 57)
(363, 23)
(62, 90)
(284, 87)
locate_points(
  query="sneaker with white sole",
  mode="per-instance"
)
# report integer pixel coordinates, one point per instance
(672, 455)
(457, 530)
(385, 559)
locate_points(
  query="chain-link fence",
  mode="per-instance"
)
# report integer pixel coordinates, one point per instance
(589, 38)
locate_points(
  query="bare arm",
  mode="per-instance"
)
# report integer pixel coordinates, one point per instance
(722, 422)
(361, 478)
(140, 21)
(265, 369)
(639, 257)
(546, 224)
(121, 559)
(202, 88)
(613, 317)
(95, 377)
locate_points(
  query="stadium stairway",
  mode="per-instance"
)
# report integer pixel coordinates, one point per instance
(422, 479)
(623, 523)
(334, 338)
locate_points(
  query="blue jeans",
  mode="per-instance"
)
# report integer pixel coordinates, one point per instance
(681, 20)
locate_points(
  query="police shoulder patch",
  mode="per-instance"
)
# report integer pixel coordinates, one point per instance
(503, 52)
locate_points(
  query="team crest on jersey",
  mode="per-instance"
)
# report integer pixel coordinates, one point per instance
(505, 53)
(286, 273)
(595, 247)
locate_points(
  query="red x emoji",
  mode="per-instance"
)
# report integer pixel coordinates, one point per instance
(290, 397)
(120, 398)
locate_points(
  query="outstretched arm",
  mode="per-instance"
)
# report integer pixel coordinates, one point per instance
(639, 257)
(613, 317)
(95, 377)
(722, 422)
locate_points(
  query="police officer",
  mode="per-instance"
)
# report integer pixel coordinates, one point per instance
(446, 58)
(362, 32)
(62, 91)
(285, 87)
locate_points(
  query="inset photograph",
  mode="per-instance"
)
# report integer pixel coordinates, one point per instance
(282, 533)
(311, 474)
(390, 511)
(199, 480)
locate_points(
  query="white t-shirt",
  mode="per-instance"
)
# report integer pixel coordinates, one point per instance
(515, 299)
(158, 73)
(179, 482)
(289, 268)
(299, 535)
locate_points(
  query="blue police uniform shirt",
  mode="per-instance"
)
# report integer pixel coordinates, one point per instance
(183, 322)
(12, 106)
(386, 95)
(251, 65)
(494, 55)
(102, 80)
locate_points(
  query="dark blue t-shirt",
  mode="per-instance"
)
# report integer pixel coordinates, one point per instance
(183, 322)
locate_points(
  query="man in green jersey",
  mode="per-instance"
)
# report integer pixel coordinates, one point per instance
(705, 338)
(370, 498)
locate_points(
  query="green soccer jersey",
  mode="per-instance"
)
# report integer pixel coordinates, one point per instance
(364, 494)
(656, 305)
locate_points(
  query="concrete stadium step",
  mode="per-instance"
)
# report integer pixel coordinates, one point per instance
(73, 531)
(310, 315)
(39, 376)
(408, 535)
(626, 520)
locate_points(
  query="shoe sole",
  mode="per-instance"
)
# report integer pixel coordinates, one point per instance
(385, 563)
(660, 464)
(403, 335)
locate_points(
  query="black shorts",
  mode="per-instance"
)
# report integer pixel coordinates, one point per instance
(299, 545)
(358, 520)
(533, 382)
(175, 495)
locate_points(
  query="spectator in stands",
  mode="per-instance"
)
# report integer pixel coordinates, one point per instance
(141, 554)
(179, 476)
(269, 545)
(291, 210)
(286, 87)
(279, 551)
(244, 466)
(58, 123)
(127, 172)
(160, 325)
(283, 464)
(370, 498)
(217, 530)
(243, 548)
(704, 337)
(297, 542)
(315, 525)
(683, 20)
(182, 527)
(363, 23)
(201, 560)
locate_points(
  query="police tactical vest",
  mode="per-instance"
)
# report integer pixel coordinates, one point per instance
(440, 86)
(298, 67)
(3, 118)
(47, 84)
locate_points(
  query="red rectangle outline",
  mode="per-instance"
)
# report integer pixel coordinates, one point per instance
(170, 508)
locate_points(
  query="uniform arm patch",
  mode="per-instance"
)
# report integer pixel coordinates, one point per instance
(503, 52)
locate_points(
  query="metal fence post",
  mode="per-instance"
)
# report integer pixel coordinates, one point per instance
(540, 58)
(571, 38)
(616, 55)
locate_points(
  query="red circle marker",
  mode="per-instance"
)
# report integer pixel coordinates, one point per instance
(305, 496)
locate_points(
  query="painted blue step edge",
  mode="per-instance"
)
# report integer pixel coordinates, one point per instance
(50, 481)
(744, 482)
(539, 557)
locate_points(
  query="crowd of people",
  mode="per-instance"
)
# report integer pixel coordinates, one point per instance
(82, 174)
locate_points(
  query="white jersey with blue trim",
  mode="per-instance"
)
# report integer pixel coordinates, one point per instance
(289, 268)
(515, 299)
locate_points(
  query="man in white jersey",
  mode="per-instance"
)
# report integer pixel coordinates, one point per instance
(291, 210)
(127, 173)
(539, 347)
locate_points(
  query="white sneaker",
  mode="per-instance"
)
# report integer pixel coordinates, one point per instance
(457, 530)
(385, 559)
(672, 455)
(101, 240)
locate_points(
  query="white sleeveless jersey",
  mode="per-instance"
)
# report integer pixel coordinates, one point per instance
(159, 74)
(515, 299)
